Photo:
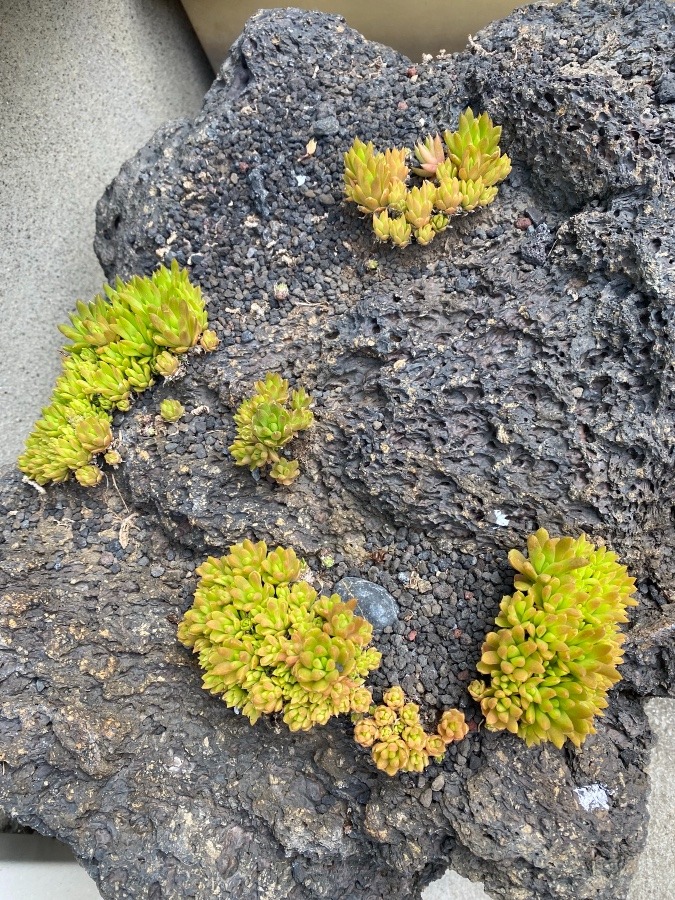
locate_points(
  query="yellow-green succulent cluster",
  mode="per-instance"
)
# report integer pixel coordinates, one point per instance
(269, 644)
(460, 181)
(397, 740)
(266, 422)
(558, 646)
(118, 343)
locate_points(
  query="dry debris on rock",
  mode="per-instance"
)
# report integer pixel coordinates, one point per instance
(465, 394)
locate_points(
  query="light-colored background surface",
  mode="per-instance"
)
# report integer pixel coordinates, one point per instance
(412, 26)
(82, 86)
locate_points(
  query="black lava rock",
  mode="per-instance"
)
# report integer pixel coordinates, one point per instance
(463, 397)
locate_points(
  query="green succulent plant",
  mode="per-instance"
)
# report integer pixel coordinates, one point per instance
(118, 342)
(558, 644)
(269, 644)
(396, 739)
(266, 422)
(460, 181)
(171, 410)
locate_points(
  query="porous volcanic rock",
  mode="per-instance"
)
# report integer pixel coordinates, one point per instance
(465, 393)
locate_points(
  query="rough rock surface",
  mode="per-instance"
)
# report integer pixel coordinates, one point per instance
(466, 393)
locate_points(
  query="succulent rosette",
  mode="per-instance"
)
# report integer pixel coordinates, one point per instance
(266, 422)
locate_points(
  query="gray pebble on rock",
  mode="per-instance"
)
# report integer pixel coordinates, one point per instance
(374, 603)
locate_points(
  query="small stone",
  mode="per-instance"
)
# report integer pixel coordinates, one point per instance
(374, 603)
(325, 126)
(438, 783)
(536, 244)
(666, 92)
(426, 798)
(157, 571)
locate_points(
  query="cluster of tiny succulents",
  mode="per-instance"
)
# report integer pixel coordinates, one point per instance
(558, 644)
(118, 344)
(459, 173)
(397, 740)
(268, 643)
(266, 422)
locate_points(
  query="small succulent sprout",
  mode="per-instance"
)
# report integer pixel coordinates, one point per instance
(420, 204)
(449, 197)
(366, 733)
(391, 756)
(452, 726)
(435, 746)
(369, 176)
(117, 344)
(285, 471)
(372, 265)
(262, 639)
(557, 647)
(113, 458)
(425, 234)
(439, 222)
(384, 715)
(94, 433)
(395, 160)
(209, 340)
(281, 290)
(381, 223)
(398, 196)
(361, 700)
(394, 698)
(474, 149)
(88, 476)
(415, 737)
(400, 231)
(266, 422)
(166, 364)
(431, 154)
(410, 714)
(171, 410)
(418, 760)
